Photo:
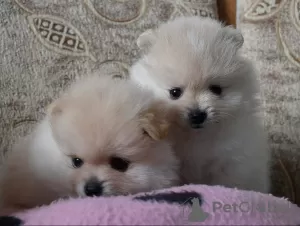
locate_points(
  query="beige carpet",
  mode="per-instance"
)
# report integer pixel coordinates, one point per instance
(272, 30)
(45, 44)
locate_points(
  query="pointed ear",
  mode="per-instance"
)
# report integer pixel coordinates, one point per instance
(156, 121)
(232, 37)
(146, 39)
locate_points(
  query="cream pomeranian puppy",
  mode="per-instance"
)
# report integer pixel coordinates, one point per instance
(102, 137)
(194, 63)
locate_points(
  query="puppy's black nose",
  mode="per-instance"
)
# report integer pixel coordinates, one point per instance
(93, 188)
(197, 117)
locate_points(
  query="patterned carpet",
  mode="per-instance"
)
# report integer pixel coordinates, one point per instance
(271, 30)
(46, 44)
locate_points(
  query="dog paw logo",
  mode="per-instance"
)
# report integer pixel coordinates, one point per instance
(196, 213)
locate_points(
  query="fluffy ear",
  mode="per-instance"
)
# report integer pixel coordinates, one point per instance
(156, 121)
(146, 39)
(232, 36)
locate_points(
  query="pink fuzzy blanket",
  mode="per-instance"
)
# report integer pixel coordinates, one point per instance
(187, 205)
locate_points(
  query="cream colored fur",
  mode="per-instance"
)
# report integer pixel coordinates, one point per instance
(194, 53)
(95, 119)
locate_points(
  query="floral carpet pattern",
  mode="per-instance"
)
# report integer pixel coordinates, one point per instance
(272, 29)
(46, 44)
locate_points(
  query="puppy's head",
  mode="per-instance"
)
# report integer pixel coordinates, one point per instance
(194, 63)
(113, 138)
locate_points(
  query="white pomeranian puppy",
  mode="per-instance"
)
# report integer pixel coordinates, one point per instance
(102, 137)
(194, 63)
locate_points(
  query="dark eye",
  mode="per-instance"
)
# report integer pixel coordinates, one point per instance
(77, 162)
(119, 164)
(175, 93)
(215, 89)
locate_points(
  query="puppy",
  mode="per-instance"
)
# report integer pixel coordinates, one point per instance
(195, 65)
(102, 137)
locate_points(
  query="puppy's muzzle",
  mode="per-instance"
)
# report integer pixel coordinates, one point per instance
(93, 187)
(196, 118)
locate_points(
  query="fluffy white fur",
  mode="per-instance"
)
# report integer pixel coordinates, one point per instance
(194, 54)
(95, 120)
